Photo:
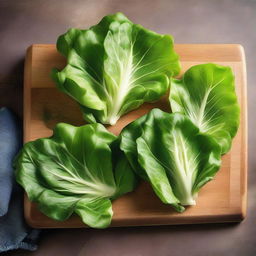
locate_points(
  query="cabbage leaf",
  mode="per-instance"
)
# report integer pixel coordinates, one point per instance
(78, 169)
(206, 94)
(114, 67)
(172, 155)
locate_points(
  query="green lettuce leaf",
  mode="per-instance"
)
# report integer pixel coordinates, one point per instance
(206, 94)
(172, 154)
(75, 171)
(114, 67)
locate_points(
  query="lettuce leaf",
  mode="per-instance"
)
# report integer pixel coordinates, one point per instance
(206, 94)
(114, 67)
(172, 155)
(77, 170)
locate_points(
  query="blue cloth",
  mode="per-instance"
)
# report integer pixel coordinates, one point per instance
(14, 233)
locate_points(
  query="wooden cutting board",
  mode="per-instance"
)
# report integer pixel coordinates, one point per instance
(221, 200)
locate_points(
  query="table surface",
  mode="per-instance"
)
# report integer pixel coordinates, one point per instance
(192, 21)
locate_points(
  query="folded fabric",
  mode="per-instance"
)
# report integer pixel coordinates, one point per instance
(14, 233)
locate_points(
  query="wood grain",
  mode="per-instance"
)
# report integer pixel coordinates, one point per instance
(222, 200)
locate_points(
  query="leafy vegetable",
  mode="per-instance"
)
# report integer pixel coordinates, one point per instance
(114, 67)
(78, 169)
(172, 154)
(206, 94)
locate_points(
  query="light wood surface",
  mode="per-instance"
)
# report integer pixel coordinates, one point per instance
(222, 200)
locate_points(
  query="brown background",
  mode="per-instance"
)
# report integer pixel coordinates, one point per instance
(218, 21)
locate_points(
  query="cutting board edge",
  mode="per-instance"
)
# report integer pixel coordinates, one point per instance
(148, 221)
(244, 183)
